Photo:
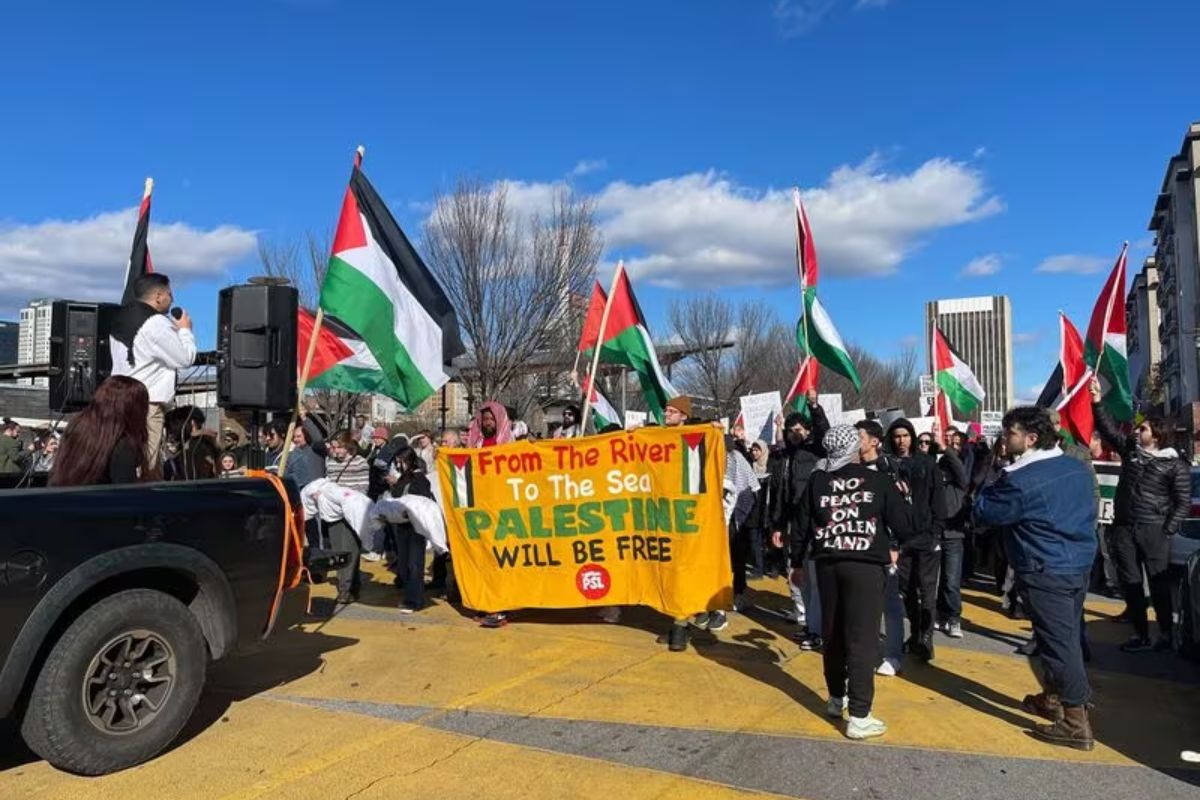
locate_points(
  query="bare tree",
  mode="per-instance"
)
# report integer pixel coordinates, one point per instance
(885, 384)
(515, 281)
(715, 373)
(303, 263)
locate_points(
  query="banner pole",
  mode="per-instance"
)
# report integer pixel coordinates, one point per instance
(587, 395)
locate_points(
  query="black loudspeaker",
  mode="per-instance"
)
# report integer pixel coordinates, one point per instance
(79, 355)
(256, 347)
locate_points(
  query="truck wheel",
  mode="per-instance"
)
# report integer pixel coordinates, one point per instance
(119, 685)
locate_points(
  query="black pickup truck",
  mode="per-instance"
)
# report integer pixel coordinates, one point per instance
(113, 599)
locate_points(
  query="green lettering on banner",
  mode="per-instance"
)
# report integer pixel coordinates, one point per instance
(616, 511)
(536, 529)
(685, 512)
(639, 516)
(477, 521)
(564, 520)
(590, 519)
(509, 523)
(658, 515)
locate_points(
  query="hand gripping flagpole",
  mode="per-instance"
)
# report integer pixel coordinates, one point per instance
(587, 395)
(359, 152)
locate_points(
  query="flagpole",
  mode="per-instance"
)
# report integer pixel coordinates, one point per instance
(359, 152)
(587, 395)
(800, 268)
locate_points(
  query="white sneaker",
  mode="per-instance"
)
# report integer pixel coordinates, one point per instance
(865, 727)
(370, 556)
(1190, 756)
(890, 668)
(835, 707)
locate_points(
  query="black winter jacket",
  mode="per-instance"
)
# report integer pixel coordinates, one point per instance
(790, 467)
(920, 473)
(1152, 490)
(955, 506)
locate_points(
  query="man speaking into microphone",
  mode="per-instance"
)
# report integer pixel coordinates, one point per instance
(149, 346)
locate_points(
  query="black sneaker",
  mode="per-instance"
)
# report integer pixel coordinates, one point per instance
(717, 621)
(1137, 645)
(811, 643)
(677, 641)
(1030, 648)
(497, 620)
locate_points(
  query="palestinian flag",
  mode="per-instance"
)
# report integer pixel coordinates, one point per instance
(816, 334)
(953, 376)
(378, 287)
(694, 456)
(1075, 409)
(591, 322)
(603, 413)
(1106, 343)
(626, 340)
(139, 257)
(341, 359)
(1052, 391)
(461, 485)
(806, 378)
(941, 411)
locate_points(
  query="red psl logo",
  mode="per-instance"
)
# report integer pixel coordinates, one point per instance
(593, 581)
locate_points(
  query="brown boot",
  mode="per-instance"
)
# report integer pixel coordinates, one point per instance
(1046, 706)
(1073, 730)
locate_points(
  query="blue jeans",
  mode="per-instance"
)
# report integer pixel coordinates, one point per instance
(950, 585)
(1056, 610)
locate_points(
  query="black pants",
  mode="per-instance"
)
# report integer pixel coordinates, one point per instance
(1055, 605)
(343, 538)
(851, 612)
(918, 585)
(739, 548)
(758, 547)
(1134, 547)
(410, 564)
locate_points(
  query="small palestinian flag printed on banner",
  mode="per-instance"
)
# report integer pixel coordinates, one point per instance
(460, 481)
(694, 457)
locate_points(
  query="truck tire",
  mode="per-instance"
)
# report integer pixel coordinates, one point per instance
(119, 684)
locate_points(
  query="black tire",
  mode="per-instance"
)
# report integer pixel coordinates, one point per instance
(58, 725)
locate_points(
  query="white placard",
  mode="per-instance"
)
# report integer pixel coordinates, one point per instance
(832, 403)
(990, 423)
(758, 415)
(922, 424)
(853, 415)
(634, 419)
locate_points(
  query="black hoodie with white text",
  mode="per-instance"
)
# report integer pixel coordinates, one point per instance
(854, 514)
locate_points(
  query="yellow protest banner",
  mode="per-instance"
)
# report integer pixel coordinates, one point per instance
(620, 519)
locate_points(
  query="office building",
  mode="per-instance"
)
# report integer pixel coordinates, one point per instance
(1141, 343)
(980, 330)
(1178, 265)
(33, 338)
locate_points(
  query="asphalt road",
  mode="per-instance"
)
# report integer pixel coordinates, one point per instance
(366, 703)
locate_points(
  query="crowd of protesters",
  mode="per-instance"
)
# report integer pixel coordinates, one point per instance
(941, 506)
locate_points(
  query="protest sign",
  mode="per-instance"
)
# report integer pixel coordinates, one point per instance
(634, 419)
(758, 415)
(853, 415)
(832, 403)
(622, 519)
(922, 424)
(990, 423)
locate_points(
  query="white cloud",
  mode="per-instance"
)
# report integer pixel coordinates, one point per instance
(1029, 337)
(798, 17)
(1074, 263)
(703, 228)
(86, 259)
(983, 266)
(980, 152)
(587, 166)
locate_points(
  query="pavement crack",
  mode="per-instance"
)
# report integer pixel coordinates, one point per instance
(378, 780)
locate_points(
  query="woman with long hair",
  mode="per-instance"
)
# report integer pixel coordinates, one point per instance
(106, 443)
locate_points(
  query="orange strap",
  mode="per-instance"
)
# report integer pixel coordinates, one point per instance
(293, 545)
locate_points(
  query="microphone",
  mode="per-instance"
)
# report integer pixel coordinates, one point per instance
(176, 312)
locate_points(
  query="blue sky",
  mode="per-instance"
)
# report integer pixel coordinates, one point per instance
(925, 136)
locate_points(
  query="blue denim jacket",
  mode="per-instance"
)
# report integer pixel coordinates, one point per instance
(1046, 504)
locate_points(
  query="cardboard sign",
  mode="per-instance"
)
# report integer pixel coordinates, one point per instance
(634, 419)
(758, 415)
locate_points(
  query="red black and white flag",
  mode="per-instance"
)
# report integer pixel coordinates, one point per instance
(139, 257)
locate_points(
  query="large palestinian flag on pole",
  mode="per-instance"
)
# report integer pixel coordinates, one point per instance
(953, 377)
(1105, 346)
(139, 256)
(379, 288)
(816, 334)
(626, 340)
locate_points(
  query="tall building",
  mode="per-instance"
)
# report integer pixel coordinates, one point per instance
(1142, 322)
(33, 338)
(980, 330)
(1177, 260)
